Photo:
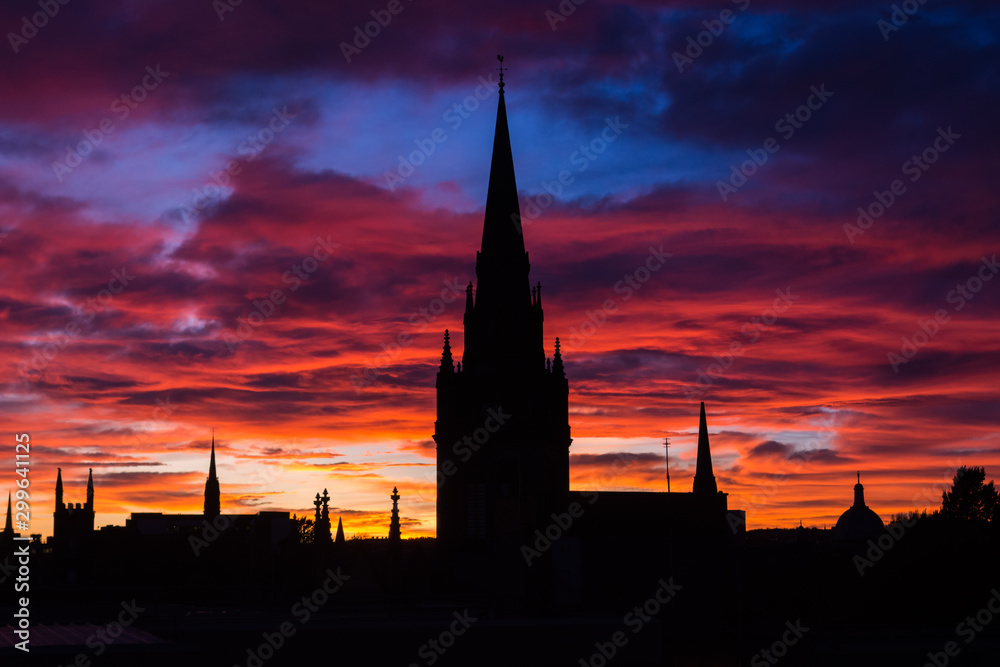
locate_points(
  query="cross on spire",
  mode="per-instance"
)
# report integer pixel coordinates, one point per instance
(502, 70)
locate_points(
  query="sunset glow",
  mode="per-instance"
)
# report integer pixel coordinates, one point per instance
(272, 247)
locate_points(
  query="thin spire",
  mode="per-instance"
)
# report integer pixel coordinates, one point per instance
(90, 490)
(340, 531)
(213, 502)
(704, 478)
(8, 528)
(666, 451)
(211, 465)
(59, 490)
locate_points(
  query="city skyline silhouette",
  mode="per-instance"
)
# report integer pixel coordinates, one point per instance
(665, 337)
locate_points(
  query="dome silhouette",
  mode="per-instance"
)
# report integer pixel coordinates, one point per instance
(860, 522)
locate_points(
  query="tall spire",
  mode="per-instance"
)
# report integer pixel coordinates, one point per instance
(503, 242)
(59, 490)
(8, 528)
(213, 504)
(90, 491)
(704, 478)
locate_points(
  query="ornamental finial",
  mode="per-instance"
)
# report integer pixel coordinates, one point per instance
(502, 70)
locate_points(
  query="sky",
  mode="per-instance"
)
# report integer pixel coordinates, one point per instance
(226, 216)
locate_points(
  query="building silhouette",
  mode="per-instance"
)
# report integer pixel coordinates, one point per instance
(503, 439)
(859, 523)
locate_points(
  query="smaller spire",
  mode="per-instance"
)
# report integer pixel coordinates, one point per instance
(90, 490)
(213, 495)
(59, 490)
(8, 528)
(340, 531)
(447, 361)
(704, 478)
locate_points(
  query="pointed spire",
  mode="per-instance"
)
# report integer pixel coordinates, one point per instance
(557, 362)
(447, 361)
(213, 502)
(704, 478)
(340, 531)
(503, 241)
(859, 493)
(59, 490)
(211, 464)
(8, 528)
(90, 490)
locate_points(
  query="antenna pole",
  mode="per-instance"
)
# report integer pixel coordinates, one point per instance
(666, 448)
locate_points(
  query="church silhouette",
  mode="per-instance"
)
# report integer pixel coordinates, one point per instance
(545, 574)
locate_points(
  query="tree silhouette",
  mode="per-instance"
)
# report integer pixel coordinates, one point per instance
(970, 498)
(303, 529)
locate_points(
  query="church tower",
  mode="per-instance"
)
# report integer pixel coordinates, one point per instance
(502, 428)
(704, 478)
(213, 505)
